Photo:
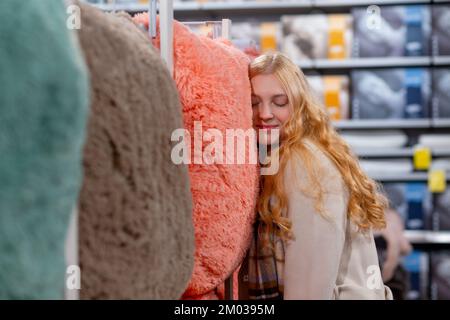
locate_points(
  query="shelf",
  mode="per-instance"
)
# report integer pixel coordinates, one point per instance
(384, 153)
(383, 124)
(250, 5)
(185, 7)
(427, 237)
(441, 60)
(441, 123)
(128, 7)
(401, 177)
(352, 3)
(306, 64)
(397, 153)
(291, 4)
(366, 63)
(392, 123)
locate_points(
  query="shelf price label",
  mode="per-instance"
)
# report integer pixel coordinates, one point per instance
(422, 158)
(437, 181)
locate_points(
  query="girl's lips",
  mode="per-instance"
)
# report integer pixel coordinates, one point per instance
(266, 127)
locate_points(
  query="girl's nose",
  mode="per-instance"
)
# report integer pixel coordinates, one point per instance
(265, 113)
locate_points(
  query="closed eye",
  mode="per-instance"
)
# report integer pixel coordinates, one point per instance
(280, 100)
(255, 101)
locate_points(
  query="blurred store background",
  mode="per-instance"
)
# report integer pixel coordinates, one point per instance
(382, 69)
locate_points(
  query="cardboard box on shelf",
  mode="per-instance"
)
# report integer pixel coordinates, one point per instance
(317, 36)
(441, 211)
(440, 275)
(332, 92)
(398, 93)
(416, 264)
(256, 37)
(392, 31)
(412, 201)
(441, 92)
(441, 29)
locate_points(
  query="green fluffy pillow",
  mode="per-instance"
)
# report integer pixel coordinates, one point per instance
(43, 111)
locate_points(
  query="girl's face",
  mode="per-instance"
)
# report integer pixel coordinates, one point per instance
(271, 108)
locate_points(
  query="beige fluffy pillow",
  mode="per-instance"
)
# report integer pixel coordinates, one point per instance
(136, 230)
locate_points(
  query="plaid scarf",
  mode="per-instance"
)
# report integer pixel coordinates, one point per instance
(265, 265)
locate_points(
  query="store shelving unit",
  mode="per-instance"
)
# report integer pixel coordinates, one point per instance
(217, 9)
(383, 124)
(263, 6)
(440, 123)
(347, 3)
(441, 60)
(428, 237)
(208, 7)
(428, 240)
(375, 62)
(388, 62)
(129, 7)
(354, 63)
(397, 153)
(230, 5)
(401, 177)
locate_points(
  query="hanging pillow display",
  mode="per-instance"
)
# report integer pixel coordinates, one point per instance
(136, 229)
(212, 79)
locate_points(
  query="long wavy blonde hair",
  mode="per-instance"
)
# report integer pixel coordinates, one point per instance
(310, 120)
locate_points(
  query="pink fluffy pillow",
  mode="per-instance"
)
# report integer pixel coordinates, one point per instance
(212, 79)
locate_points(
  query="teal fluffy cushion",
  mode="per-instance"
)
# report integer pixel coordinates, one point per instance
(43, 111)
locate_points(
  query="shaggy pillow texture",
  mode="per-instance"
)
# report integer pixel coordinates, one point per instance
(212, 79)
(43, 111)
(136, 228)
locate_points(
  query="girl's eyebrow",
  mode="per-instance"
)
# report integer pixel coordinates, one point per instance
(282, 95)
